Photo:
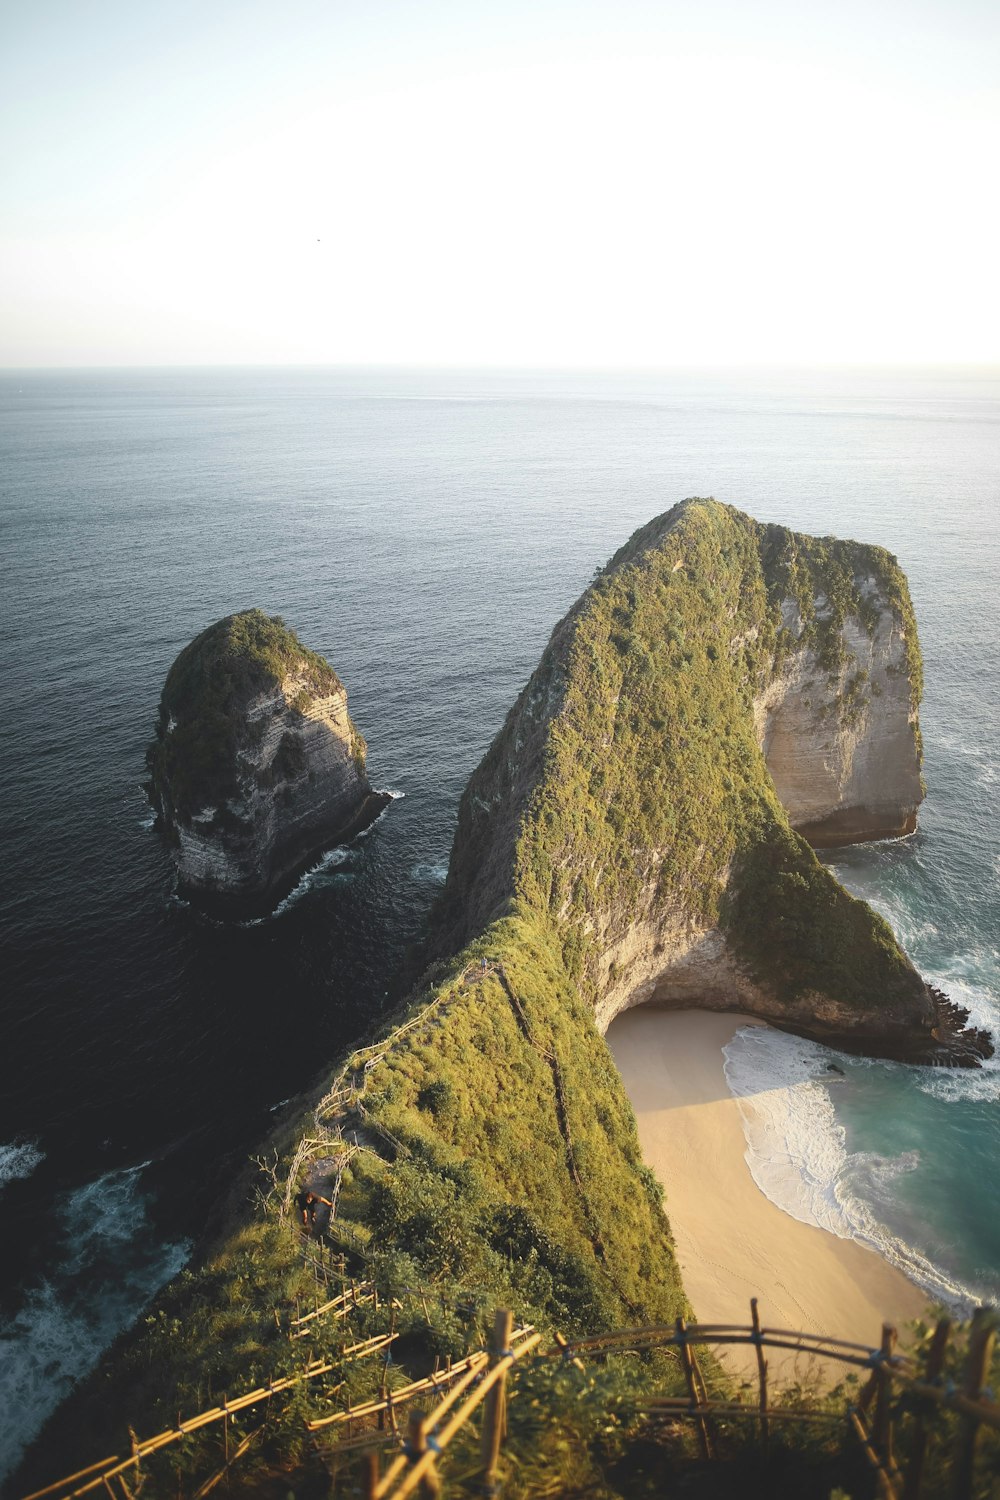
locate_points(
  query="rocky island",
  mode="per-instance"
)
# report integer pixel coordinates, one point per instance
(256, 766)
(634, 835)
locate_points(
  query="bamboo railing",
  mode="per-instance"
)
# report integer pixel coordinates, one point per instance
(896, 1393)
(874, 1417)
(89, 1479)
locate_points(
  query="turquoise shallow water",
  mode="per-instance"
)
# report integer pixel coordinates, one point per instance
(425, 530)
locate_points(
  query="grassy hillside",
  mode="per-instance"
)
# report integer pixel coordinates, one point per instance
(629, 779)
(487, 1152)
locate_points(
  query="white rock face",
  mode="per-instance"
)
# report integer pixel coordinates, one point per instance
(843, 752)
(302, 786)
(842, 746)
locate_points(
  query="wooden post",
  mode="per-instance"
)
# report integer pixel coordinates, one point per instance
(935, 1364)
(688, 1364)
(882, 1425)
(562, 1342)
(765, 1433)
(372, 1474)
(430, 1484)
(495, 1405)
(382, 1396)
(982, 1337)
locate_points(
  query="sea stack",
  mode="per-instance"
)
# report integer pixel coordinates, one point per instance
(256, 766)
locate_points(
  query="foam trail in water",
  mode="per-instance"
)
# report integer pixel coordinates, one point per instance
(109, 1267)
(19, 1159)
(316, 875)
(797, 1155)
(309, 880)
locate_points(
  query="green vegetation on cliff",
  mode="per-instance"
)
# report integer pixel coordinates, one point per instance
(204, 697)
(651, 791)
(491, 1153)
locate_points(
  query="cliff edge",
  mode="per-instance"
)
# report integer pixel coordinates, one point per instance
(256, 765)
(624, 840)
(724, 694)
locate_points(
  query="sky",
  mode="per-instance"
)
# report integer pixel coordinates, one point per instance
(491, 182)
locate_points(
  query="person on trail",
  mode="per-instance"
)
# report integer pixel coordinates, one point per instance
(305, 1202)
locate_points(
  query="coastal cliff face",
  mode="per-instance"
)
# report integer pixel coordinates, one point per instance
(623, 841)
(841, 739)
(721, 690)
(256, 765)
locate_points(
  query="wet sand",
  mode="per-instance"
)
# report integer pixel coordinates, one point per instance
(732, 1242)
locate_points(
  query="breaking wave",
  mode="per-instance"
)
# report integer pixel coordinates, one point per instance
(107, 1266)
(19, 1159)
(797, 1153)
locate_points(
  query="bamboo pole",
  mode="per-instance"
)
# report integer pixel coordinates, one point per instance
(417, 1449)
(193, 1424)
(217, 1478)
(564, 1346)
(419, 1469)
(765, 1434)
(982, 1337)
(495, 1410)
(886, 1487)
(935, 1364)
(80, 1474)
(715, 1333)
(680, 1406)
(882, 1424)
(687, 1364)
(399, 1464)
(371, 1408)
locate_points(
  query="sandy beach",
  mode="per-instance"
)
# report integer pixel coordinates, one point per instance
(732, 1242)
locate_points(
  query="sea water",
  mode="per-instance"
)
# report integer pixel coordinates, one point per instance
(424, 530)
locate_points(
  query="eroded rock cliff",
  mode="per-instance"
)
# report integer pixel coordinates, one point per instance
(722, 689)
(256, 765)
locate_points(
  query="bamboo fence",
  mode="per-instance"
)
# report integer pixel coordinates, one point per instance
(895, 1393)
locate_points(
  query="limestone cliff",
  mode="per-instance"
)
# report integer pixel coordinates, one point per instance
(256, 765)
(622, 841)
(722, 688)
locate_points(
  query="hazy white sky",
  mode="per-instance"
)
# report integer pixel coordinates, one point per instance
(497, 182)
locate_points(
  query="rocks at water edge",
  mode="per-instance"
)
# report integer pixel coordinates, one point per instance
(256, 766)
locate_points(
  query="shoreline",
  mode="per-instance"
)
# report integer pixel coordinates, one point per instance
(732, 1242)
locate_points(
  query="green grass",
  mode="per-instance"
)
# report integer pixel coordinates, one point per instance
(478, 1181)
(649, 787)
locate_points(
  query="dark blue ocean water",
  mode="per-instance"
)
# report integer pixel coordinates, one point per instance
(424, 531)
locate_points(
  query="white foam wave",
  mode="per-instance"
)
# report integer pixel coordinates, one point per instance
(110, 1266)
(968, 978)
(954, 1084)
(797, 1155)
(310, 880)
(433, 874)
(19, 1159)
